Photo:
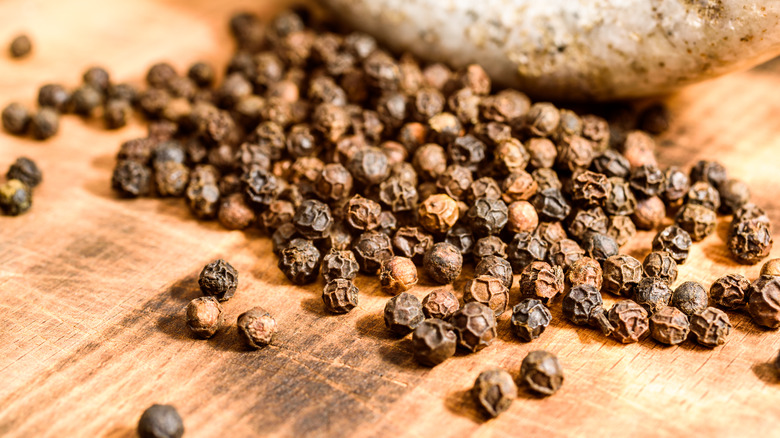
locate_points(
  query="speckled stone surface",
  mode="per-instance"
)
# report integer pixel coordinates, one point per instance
(579, 49)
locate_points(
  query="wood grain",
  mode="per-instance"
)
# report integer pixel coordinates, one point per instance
(92, 288)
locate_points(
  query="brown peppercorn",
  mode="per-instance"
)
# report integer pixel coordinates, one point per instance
(454, 181)
(234, 213)
(362, 213)
(590, 188)
(300, 261)
(570, 125)
(770, 268)
(131, 179)
(620, 200)
(484, 187)
(652, 293)
(116, 113)
(613, 164)
(519, 186)
(630, 321)
(412, 242)
(542, 119)
(340, 295)
(313, 219)
(369, 165)
(750, 241)
(574, 153)
(434, 342)
(733, 195)
(475, 325)
(669, 326)
(585, 271)
(647, 181)
(16, 118)
(465, 105)
(596, 129)
(438, 213)
(430, 161)
(160, 421)
(582, 222)
(639, 149)
(621, 228)
(495, 267)
(279, 212)
(256, 327)
(443, 263)
(677, 186)
(529, 319)
(333, 183)
(730, 291)
(697, 220)
(489, 291)
(489, 246)
(600, 246)
(44, 124)
(690, 297)
(494, 391)
(510, 156)
(541, 281)
(764, 301)
(204, 316)
(20, 47)
(441, 304)
(552, 232)
(621, 275)
(522, 217)
(526, 248)
(339, 264)
(675, 241)
(282, 237)
(661, 265)
(542, 373)
(704, 194)
(710, 327)
(710, 172)
(649, 213)
(541, 153)
(403, 313)
(372, 249)
(398, 194)
(397, 275)
(564, 253)
(202, 192)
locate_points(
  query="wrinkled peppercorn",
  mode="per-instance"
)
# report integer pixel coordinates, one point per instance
(771, 268)
(585, 271)
(412, 242)
(300, 261)
(669, 326)
(750, 241)
(541, 281)
(443, 262)
(552, 232)
(697, 220)
(475, 325)
(438, 213)
(551, 205)
(340, 295)
(494, 391)
(372, 249)
(219, 279)
(600, 246)
(204, 316)
(202, 192)
(26, 171)
(661, 265)
(529, 319)
(339, 264)
(647, 180)
(630, 321)
(620, 200)
(710, 172)
(489, 291)
(649, 213)
(256, 327)
(487, 216)
(334, 182)
(397, 275)
(519, 186)
(461, 237)
(574, 153)
(612, 164)
(489, 246)
(398, 194)
(652, 293)
(734, 194)
(582, 304)
(15, 197)
(546, 179)
(710, 327)
(730, 291)
(260, 186)
(509, 157)
(403, 313)
(564, 253)
(469, 152)
(495, 267)
(441, 304)
(131, 179)
(704, 194)
(434, 342)
(521, 217)
(160, 421)
(677, 186)
(313, 219)
(363, 214)
(583, 222)
(690, 297)
(541, 153)
(675, 241)
(764, 301)
(542, 373)
(590, 188)
(526, 248)
(621, 228)
(621, 275)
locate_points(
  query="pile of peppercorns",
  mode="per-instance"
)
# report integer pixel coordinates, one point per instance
(16, 192)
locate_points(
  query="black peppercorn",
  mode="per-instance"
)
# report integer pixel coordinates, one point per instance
(675, 241)
(489, 246)
(412, 242)
(710, 327)
(45, 123)
(690, 297)
(131, 179)
(204, 316)
(733, 195)
(529, 319)
(764, 301)
(339, 264)
(260, 186)
(15, 197)
(704, 194)
(398, 194)
(54, 96)
(256, 327)
(475, 325)
(494, 391)
(730, 291)
(203, 193)
(590, 188)
(661, 265)
(443, 262)
(546, 179)
(282, 237)
(750, 241)
(16, 118)
(362, 213)
(509, 156)
(20, 47)
(621, 275)
(234, 213)
(551, 205)
(612, 164)
(526, 248)
(574, 153)
(652, 293)
(487, 216)
(219, 279)
(710, 172)
(677, 185)
(171, 179)
(495, 267)
(340, 295)
(441, 304)
(85, 100)
(582, 304)
(600, 246)
(403, 313)
(300, 261)
(620, 200)
(669, 326)
(489, 291)
(26, 171)
(542, 153)
(313, 219)
(434, 342)
(564, 253)
(541, 281)
(630, 321)
(372, 249)
(160, 421)
(585, 271)
(583, 222)
(621, 228)
(542, 373)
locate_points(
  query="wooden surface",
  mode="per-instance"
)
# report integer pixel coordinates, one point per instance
(92, 288)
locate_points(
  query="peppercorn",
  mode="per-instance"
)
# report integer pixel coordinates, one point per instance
(204, 316)
(582, 222)
(494, 391)
(771, 268)
(620, 200)
(690, 297)
(519, 186)
(160, 421)
(669, 326)
(372, 249)
(590, 188)
(282, 237)
(710, 172)
(300, 261)
(279, 212)
(125, 92)
(704, 194)
(730, 291)
(54, 96)
(16, 118)
(475, 325)
(15, 197)
(26, 171)
(434, 342)
(340, 295)
(454, 181)
(443, 262)
(582, 304)
(484, 187)
(98, 78)
(612, 164)
(542, 373)
(541, 152)
(160, 74)
(496, 267)
(256, 327)
(677, 186)
(710, 327)
(260, 186)
(20, 47)
(647, 180)
(529, 319)
(363, 214)
(585, 271)
(551, 232)
(397, 275)
(675, 241)
(465, 105)
(509, 157)
(652, 293)
(600, 246)
(313, 219)
(750, 241)
(488, 216)
(526, 248)
(697, 220)
(621, 228)
(44, 124)
(630, 321)
(171, 179)
(403, 313)
(733, 195)
(564, 253)
(764, 301)
(116, 113)
(202, 192)
(219, 279)
(438, 213)
(202, 74)
(85, 100)
(234, 213)
(639, 149)
(489, 246)
(412, 242)
(596, 129)
(339, 264)
(621, 275)
(661, 265)
(649, 213)
(131, 179)
(461, 238)
(541, 281)
(489, 291)
(574, 153)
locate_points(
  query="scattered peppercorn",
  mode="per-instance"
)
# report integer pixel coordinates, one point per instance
(256, 327)
(621, 275)
(764, 301)
(542, 373)
(403, 313)
(750, 241)
(340, 295)
(585, 271)
(443, 263)
(690, 297)
(771, 268)
(434, 342)
(219, 279)
(371, 249)
(204, 316)
(494, 391)
(652, 293)
(661, 265)
(710, 327)
(529, 319)
(45, 123)
(697, 220)
(541, 281)
(675, 241)
(630, 321)
(669, 326)
(475, 324)
(489, 291)
(397, 275)
(160, 421)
